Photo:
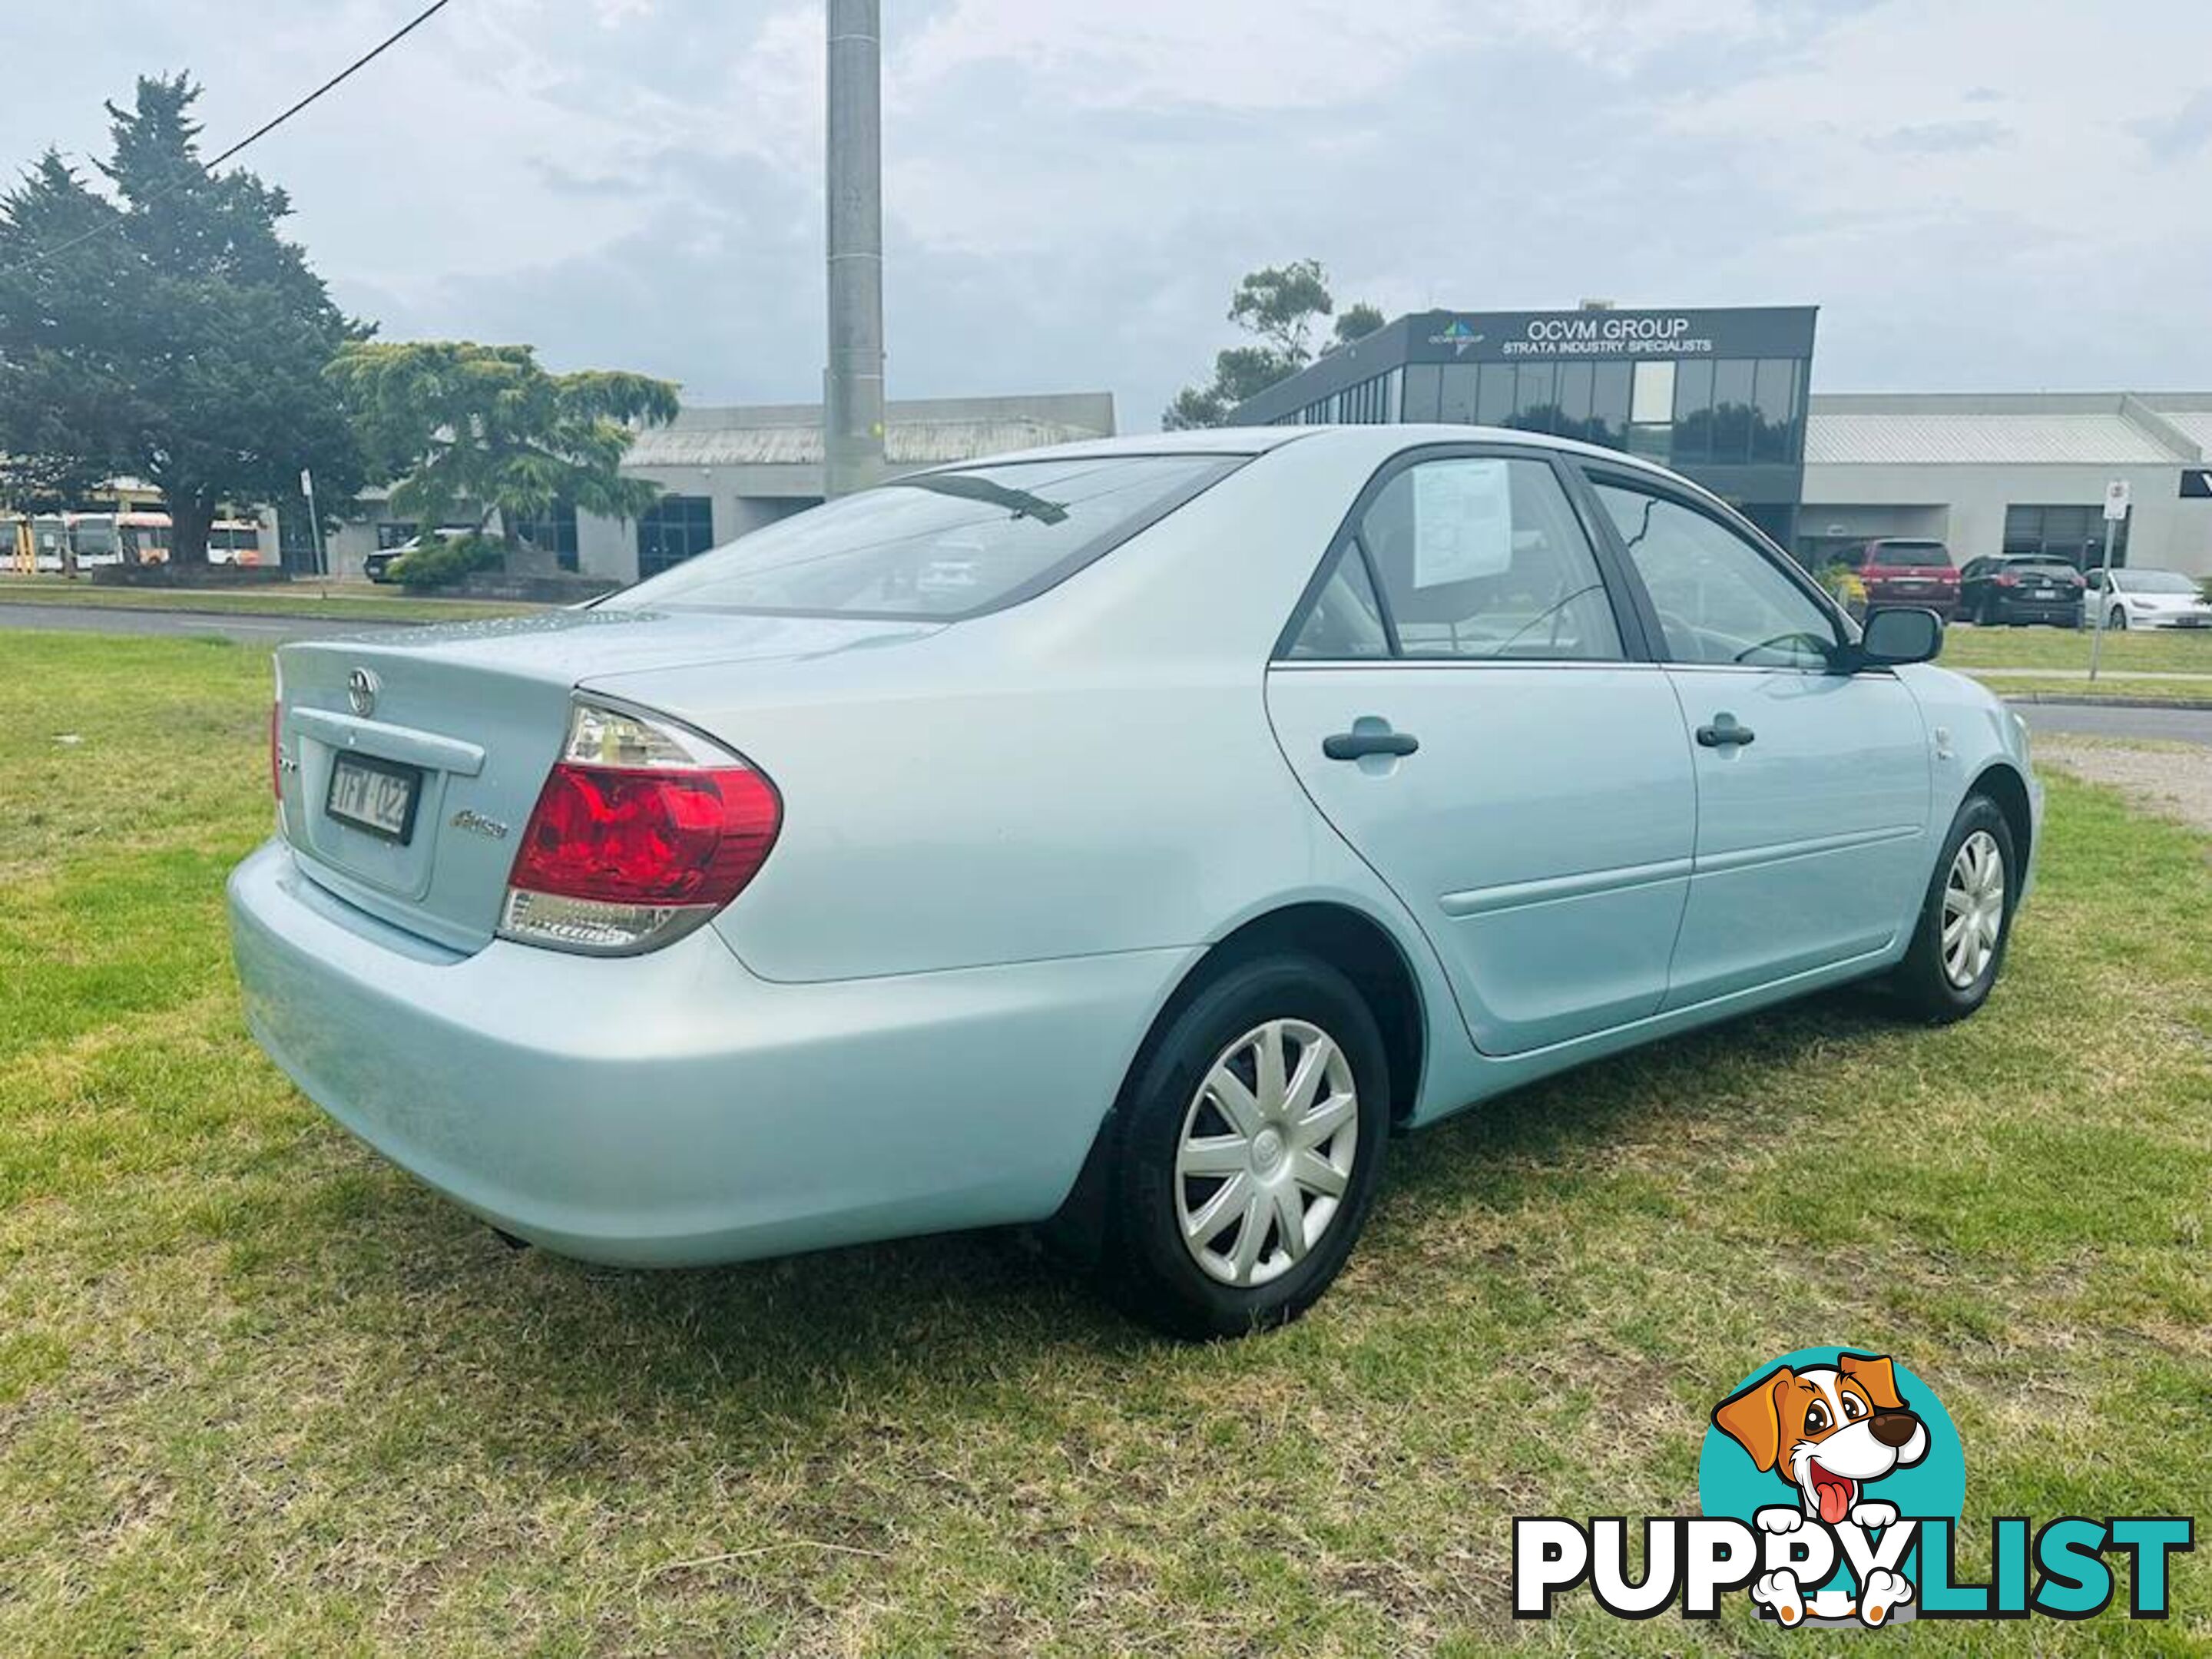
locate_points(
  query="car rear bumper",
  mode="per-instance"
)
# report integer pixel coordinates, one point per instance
(673, 1108)
(2068, 611)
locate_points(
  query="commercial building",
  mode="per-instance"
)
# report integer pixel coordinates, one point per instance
(1723, 395)
(1719, 395)
(2012, 473)
(723, 471)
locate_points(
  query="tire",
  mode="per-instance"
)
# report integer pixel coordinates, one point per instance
(1936, 985)
(2118, 620)
(1144, 1263)
(1985, 613)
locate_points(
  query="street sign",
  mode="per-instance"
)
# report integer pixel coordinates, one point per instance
(306, 483)
(2117, 496)
(2196, 484)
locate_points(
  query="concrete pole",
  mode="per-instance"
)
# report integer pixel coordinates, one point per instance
(853, 385)
(2103, 601)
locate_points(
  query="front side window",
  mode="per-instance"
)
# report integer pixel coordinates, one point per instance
(1720, 599)
(1483, 557)
(937, 544)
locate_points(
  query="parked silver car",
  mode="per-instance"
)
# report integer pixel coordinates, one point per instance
(1129, 836)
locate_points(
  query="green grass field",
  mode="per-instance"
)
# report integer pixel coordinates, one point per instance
(2061, 650)
(337, 601)
(260, 1392)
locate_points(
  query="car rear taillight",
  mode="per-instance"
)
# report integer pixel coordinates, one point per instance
(643, 829)
(2006, 578)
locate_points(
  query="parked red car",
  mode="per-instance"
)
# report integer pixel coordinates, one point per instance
(1902, 571)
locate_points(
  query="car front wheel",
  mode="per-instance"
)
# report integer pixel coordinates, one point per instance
(2118, 620)
(1966, 919)
(1250, 1139)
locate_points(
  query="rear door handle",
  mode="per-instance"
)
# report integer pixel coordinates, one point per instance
(1353, 745)
(1724, 733)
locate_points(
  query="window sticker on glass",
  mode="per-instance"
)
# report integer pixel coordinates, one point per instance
(1462, 521)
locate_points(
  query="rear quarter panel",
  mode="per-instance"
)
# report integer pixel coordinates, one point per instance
(1090, 771)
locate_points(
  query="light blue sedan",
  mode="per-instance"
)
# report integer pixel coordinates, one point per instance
(1130, 836)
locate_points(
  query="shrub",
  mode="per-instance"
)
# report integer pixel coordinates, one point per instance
(442, 562)
(1845, 587)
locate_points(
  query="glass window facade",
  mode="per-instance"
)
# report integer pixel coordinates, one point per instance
(1747, 411)
(1719, 395)
(554, 532)
(2072, 535)
(674, 529)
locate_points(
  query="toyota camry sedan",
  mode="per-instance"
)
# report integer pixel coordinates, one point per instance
(1131, 837)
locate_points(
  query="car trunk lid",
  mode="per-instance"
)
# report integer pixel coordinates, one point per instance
(464, 721)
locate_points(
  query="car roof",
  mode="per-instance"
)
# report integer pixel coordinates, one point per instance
(1250, 440)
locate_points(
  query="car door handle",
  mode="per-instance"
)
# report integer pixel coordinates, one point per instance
(1353, 745)
(1724, 733)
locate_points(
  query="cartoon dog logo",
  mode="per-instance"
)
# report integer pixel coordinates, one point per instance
(1829, 1431)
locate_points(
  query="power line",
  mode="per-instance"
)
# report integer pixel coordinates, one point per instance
(266, 127)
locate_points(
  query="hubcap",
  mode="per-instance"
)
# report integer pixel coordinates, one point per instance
(1266, 1151)
(1974, 907)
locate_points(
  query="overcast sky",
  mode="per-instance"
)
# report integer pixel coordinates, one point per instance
(2007, 194)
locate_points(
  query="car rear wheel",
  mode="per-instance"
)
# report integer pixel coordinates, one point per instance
(1249, 1141)
(1966, 920)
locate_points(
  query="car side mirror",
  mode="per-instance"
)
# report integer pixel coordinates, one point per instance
(1892, 637)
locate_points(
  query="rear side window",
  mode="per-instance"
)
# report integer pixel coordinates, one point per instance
(939, 545)
(1478, 558)
(1345, 622)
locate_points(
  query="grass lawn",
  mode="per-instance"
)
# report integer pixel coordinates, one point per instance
(259, 1392)
(337, 600)
(2146, 651)
(2104, 685)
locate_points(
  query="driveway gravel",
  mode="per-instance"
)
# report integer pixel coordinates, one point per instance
(2176, 781)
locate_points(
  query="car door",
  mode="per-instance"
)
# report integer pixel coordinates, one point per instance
(1812, 785)
(1467, 697)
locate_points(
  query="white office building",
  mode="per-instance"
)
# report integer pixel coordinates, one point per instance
(1989, 473)
(723, 471)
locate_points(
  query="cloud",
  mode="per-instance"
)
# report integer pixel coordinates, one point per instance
(2183, 134)
(1942, 137)
(1073, 189)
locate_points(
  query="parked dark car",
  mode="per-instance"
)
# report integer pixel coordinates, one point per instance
(2021, 587)
(1911, 572)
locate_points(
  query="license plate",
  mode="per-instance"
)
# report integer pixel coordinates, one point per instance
(376, 795)
(2046, 593)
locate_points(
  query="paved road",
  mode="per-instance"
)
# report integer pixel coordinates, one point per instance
(2072, 719)
(247, 630)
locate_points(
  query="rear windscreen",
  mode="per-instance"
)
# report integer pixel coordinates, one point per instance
(937, 544)
(1910, 553)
